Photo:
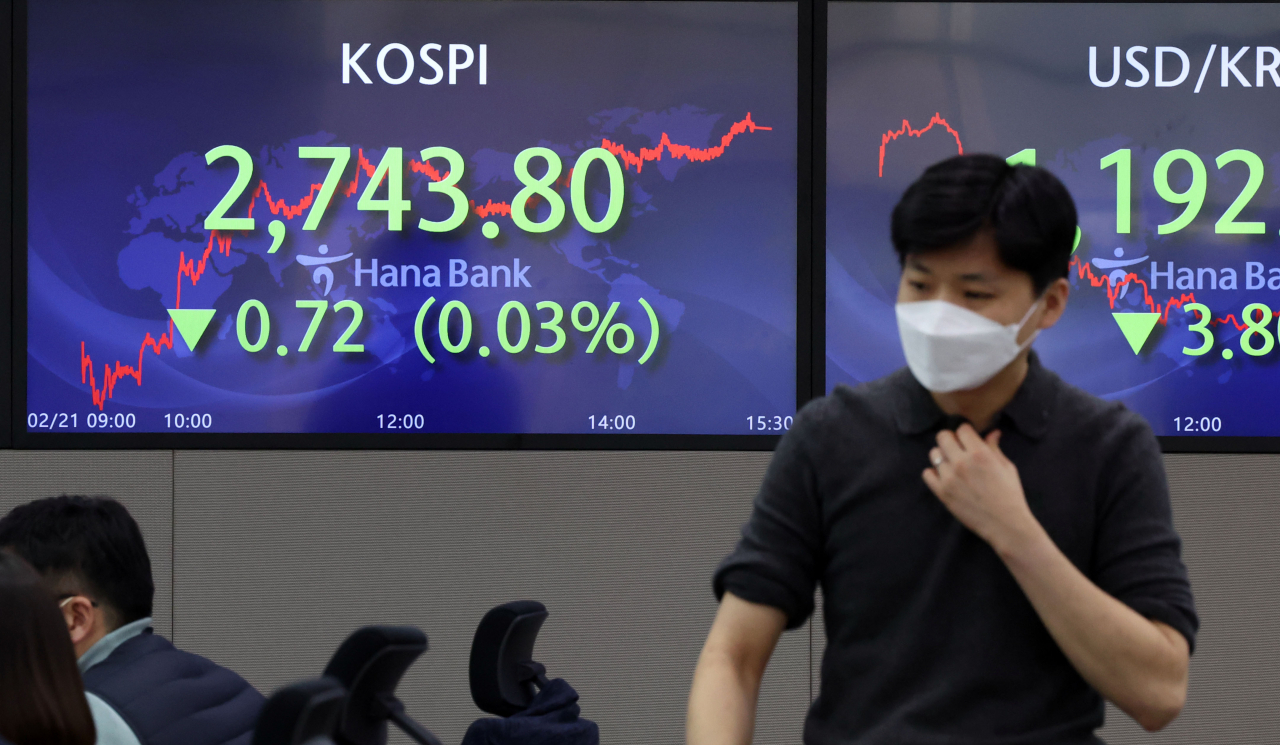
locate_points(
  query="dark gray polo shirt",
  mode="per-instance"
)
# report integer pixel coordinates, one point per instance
(929, 638)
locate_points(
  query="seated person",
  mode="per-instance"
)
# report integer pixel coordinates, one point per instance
(41, 699)
(141, 690)
(995, 547)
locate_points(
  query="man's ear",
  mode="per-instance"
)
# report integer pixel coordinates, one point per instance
(84, 622)
(1055, 302)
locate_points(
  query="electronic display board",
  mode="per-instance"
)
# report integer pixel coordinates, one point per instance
(1160, 119)
(514, 218)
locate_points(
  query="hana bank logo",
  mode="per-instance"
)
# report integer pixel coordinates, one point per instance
(1118, 267)
(322, 272)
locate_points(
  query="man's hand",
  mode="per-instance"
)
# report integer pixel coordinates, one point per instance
(980, 486)
(1138, 664)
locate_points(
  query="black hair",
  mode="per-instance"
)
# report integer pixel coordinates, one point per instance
(92, 541)
(43, 701)
(1027, 208)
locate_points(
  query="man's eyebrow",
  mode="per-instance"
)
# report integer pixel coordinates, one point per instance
(975, 277)
(916, 265)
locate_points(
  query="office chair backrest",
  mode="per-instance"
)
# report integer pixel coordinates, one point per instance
(503, 672)
(304, 713)
(370, 664)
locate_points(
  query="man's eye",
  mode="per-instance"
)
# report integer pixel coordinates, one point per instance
(915, 285)
(972, 295)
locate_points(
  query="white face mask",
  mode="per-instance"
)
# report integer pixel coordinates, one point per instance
(951, 348)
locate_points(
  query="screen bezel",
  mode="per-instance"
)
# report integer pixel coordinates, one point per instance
(22, 438)
(8, 226)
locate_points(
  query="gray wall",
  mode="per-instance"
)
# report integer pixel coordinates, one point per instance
(265, 560)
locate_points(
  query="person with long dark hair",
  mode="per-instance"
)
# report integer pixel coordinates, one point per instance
(42, 698)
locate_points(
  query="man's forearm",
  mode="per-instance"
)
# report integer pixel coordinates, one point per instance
(726, 682)
(722, 702)
(1139, 665)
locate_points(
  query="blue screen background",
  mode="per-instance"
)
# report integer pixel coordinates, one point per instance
(126, 98)
(1007, 77)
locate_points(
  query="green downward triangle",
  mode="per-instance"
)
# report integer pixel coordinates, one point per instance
(1136, 327)
(191, 323)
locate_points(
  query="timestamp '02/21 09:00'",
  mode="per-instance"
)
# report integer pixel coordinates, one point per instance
(37, 421)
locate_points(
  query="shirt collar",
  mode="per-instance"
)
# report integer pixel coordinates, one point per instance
(108, 644)
(916, 412)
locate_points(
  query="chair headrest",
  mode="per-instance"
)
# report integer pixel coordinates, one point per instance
(502, 665)
(370, 664)
(304, 713)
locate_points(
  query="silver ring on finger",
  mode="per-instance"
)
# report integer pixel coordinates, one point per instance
(938, 459)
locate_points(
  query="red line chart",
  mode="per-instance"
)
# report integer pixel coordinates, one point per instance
(1084, 271)
(692, 154)
(193, 268)
(190, 268)
(491, 208)
(907, 130)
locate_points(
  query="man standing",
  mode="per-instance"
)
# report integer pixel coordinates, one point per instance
(141, 690)
(995, 547)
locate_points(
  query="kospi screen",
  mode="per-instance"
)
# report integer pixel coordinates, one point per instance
(1161, 121)
(411, 217)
